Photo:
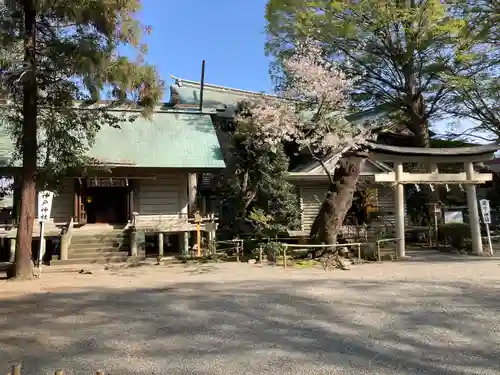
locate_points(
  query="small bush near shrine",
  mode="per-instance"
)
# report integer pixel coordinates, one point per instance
(273, 250)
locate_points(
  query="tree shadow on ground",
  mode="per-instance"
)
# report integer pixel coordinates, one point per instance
(257, 327)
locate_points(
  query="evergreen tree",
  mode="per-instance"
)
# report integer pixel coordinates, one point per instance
(56, 56)
(255, 196)
(476, 89)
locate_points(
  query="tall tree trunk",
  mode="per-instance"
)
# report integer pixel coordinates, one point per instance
(421, 130)
(338, 200)
(23, 265)
(418, 123)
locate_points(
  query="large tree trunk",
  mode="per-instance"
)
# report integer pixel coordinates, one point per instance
(338, 200)
(418, 123)
(23, 265)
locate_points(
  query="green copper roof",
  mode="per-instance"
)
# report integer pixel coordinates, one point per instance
(167, 140)
(188, 92)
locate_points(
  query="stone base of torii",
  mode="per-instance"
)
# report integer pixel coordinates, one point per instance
(433, 157)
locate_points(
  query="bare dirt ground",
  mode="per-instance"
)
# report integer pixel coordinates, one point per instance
(432, 316)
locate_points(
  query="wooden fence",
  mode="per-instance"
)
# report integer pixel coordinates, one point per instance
(16, 370)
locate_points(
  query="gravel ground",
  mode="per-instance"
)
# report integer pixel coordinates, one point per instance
(440, 316)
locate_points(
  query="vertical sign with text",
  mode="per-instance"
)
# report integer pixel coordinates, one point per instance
(485, 210)
(44, 205)
(486, 213)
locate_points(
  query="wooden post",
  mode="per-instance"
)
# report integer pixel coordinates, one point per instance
(359, 252)
(260, 254)
(192, 191)
(436, 226)
(160, 244)
(378, 251)
(12, 246)
(198, 239)
(130, 203)
(16, 370)
(197, 220)
(64, 246)
(185, 244)
(238, 251)
(133, 243)
(284, 258)
(41, 248)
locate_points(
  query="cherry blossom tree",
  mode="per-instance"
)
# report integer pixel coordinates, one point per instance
(309, 109)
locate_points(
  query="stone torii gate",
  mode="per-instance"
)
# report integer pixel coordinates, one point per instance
(434, 156)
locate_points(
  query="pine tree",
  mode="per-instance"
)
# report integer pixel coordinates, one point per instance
(56, 55)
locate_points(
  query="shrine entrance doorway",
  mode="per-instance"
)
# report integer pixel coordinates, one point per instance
(107, 205)
(103, 200)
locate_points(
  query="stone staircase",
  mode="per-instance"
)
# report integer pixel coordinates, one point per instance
(101, 247)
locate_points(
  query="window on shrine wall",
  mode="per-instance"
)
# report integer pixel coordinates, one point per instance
(364, 207)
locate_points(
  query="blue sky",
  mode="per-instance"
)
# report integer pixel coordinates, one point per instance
(228, 34)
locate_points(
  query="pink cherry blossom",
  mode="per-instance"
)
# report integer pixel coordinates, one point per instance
(310, 109)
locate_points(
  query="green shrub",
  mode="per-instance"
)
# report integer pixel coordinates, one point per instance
(369, 251)
(455, 233)
(418, 234)
(274, 250)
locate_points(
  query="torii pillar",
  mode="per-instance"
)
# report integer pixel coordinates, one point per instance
(399, 205)
(474, 223)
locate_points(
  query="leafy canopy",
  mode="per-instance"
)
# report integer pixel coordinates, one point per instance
(400, 54)
(78, 57)
(476, 89)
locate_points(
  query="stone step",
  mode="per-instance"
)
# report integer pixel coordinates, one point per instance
(98, 260)
(97, 237)
(100, 249)
(89, 261)
(97, 244)
(97, 254)
(97, 248)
